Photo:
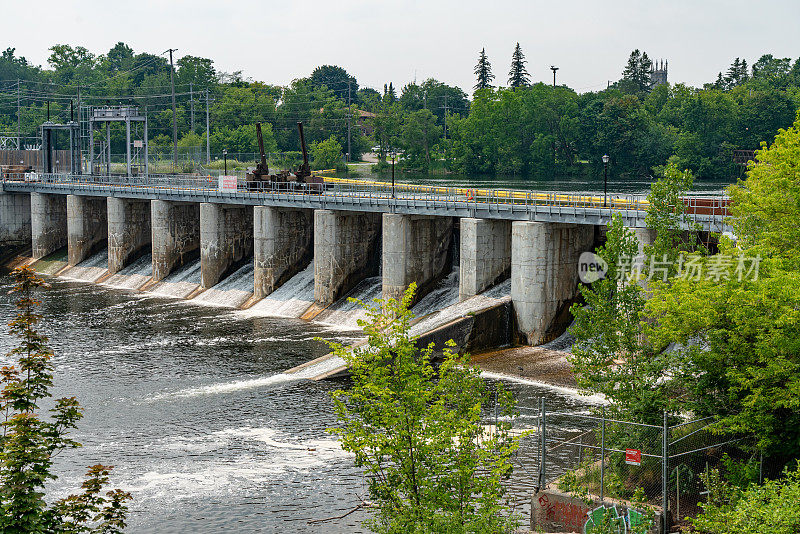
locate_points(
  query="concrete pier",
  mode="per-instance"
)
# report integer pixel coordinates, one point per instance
(544, 275)
(485, 255)
(48, 223)
(345, 251)
(15, 219)
(416, 248)
(128, 231)
(282, 246)
(226, 238)
(87, 228)
(175, 235)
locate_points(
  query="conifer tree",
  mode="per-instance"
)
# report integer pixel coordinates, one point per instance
(483, 70)
(518, 76)
(636, 76)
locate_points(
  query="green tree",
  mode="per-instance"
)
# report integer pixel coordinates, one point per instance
(326, 154)
(417, 432)
(483, 71)
(30, 440)
(771, 508)
(740, 355)
(419, 135)
(336, 79)
(636, 75)
(518, 76)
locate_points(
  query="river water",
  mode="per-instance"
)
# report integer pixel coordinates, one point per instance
(190, 404)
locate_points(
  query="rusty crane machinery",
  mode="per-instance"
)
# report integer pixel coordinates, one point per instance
(260, 179)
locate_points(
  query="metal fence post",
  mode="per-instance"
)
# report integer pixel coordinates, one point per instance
(603, 456)
(543, 446)
(664, 476)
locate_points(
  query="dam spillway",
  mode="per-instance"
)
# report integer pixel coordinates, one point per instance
(302, 256)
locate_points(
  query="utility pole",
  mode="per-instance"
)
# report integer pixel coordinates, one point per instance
(445, 117)
(19, 141)
(554, 69)
(208, 136)
(174, 113)
(191, 102)
(349, 109)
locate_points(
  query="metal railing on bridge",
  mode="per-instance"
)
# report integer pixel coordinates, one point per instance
(706, 210)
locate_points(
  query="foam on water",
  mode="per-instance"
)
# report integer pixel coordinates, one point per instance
(596, 398)
(229, 387)
(345, 313)
(232, 291)
(134, 276)
(90, 269)
(319, 368)
(292, 299)
(181, 282)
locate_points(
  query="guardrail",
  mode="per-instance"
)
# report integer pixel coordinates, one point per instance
(380, 194)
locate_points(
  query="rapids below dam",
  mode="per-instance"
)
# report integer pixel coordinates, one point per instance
(189, 402)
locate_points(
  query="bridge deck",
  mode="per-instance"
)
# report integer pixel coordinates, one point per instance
(354, 195)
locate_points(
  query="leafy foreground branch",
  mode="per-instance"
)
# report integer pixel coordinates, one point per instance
(417, 432)
(30, 439)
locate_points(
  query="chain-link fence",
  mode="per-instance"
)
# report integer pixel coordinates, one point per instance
(611, 462)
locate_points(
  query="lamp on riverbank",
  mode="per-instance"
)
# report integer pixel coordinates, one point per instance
(605, 178)
(393, 154)
(225, 157)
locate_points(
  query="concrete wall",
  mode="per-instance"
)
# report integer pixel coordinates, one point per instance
(175, 235)
(415, 249)
(485, 255)
(544, 275)
(15, 219)
(345, 251)
(129, 231)
(48, 223)
(226, 239)
(87, 228)
(282, 246)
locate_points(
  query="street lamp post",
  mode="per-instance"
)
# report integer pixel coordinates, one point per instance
(605, 179)
(225, 157)
(393, 153)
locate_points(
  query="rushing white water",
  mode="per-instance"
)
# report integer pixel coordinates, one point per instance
(443, 295)
(90, 269)
(292, 299)
(181, 282)
(233, 291)
(345, 313)
(230, 387)
(134, 276)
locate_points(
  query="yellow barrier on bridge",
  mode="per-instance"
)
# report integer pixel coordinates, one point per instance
(471, 194)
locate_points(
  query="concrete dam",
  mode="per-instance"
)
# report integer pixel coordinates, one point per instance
(492, 267)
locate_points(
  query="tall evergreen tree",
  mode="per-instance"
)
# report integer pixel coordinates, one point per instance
(518, 76)
(636, 76)
(483, 70)
(389, 95)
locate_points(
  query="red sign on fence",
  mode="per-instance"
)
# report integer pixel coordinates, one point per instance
(633, 457)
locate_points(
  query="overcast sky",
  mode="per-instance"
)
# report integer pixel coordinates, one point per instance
(398, 41)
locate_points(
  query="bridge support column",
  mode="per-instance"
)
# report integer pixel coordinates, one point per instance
(15, 219)
(416, 248)
(128, 231)
(48, 223)
(226, 238)
(644, 237)
(345, 251)
(485, 255)
(86, 227)
(175, 235)
(544, 275)
(282, 246)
